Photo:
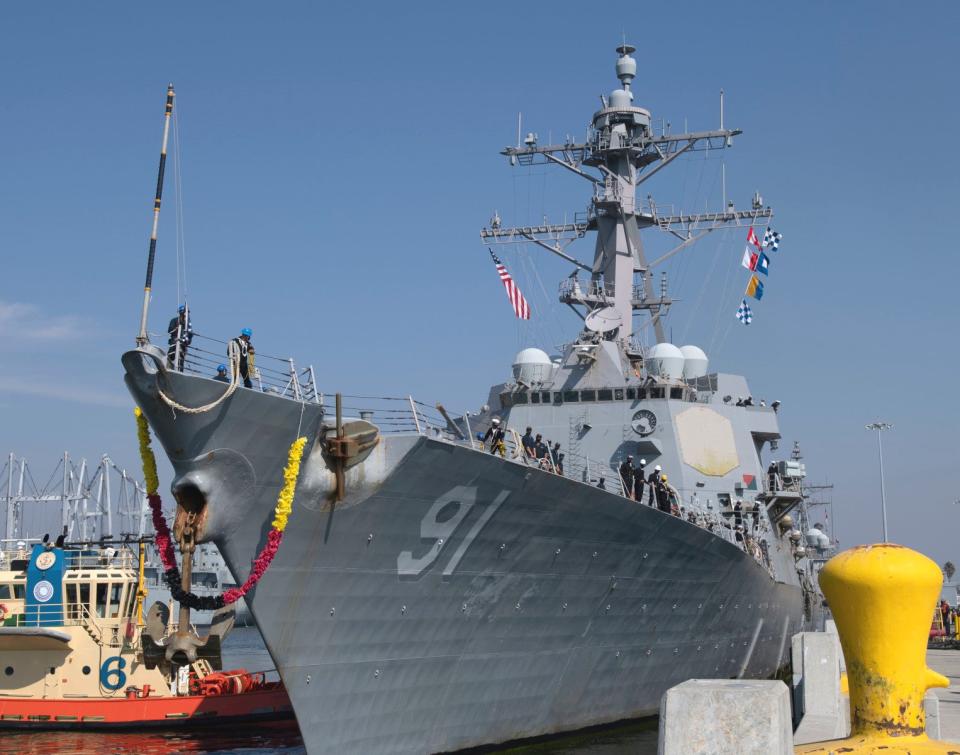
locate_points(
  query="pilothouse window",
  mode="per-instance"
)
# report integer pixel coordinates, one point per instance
(101, 606)
(116, 591)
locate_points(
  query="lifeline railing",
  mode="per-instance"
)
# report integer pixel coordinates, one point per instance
(271, 374)
(85, 559)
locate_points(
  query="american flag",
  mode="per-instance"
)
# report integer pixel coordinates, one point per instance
(520, 307)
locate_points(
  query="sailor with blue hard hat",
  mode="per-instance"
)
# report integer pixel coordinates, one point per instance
(244, 350)
(222, 373)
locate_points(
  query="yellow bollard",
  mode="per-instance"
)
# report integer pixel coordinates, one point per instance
(882, 598)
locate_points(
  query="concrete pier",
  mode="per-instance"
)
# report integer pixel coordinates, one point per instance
(947, 662)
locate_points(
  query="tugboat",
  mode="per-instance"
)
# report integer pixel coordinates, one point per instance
(76, 652)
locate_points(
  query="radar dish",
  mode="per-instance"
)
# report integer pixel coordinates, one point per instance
(603, 320)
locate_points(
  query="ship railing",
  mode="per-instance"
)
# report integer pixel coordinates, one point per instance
(271, 374)
(102, 558)
(68, 614)
(574, 288)
(774, 483)
(392, 414)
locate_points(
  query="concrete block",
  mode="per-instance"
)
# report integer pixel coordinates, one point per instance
(931, 706)
(725, 716)
(830, 627)
(818, 704)
(796, 682)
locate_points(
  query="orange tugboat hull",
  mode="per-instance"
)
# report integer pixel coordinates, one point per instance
(166, 712)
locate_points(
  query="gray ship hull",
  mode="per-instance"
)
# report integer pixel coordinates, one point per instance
(455, 598)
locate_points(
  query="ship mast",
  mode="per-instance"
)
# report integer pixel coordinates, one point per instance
(621, 152)
(152, 253)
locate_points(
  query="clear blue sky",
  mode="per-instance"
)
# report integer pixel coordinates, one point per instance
(338, 161)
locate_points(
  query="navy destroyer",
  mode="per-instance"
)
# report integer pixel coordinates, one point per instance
(430, 595)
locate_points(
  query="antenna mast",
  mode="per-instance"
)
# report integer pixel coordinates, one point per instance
(621, 152)
(168, 111)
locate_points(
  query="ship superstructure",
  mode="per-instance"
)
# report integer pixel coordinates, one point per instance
(430, 595)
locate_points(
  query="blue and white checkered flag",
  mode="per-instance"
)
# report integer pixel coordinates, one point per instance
(744, 313)
(771, 239)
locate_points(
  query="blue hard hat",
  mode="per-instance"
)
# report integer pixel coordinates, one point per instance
(247, 332)
(221, 368)
(182, 308)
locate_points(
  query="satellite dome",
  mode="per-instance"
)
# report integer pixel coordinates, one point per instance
(532, 366)
(695, 362)
(665, 360)
(813, 537)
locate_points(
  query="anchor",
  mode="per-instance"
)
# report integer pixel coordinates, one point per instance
(185, 644)
(346, 445)
(184, 640)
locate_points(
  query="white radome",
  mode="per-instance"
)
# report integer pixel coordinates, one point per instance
(665, 360)
(695, 362)
(532, 366)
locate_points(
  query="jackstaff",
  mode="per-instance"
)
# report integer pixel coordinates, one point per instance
(168, 111)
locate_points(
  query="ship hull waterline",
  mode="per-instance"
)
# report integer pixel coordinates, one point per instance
(454, 598)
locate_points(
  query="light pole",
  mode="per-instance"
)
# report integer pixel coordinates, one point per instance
(880, 427)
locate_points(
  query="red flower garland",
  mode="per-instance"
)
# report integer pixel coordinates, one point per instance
(168, 557)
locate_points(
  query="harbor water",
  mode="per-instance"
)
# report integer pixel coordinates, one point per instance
(245, 649)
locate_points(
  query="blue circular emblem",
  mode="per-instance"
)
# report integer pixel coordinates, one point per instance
(43, 591)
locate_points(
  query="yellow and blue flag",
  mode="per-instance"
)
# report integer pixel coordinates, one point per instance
(754, 288)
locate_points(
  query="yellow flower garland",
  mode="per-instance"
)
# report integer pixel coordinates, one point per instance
(290, 474)
(147, 458)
